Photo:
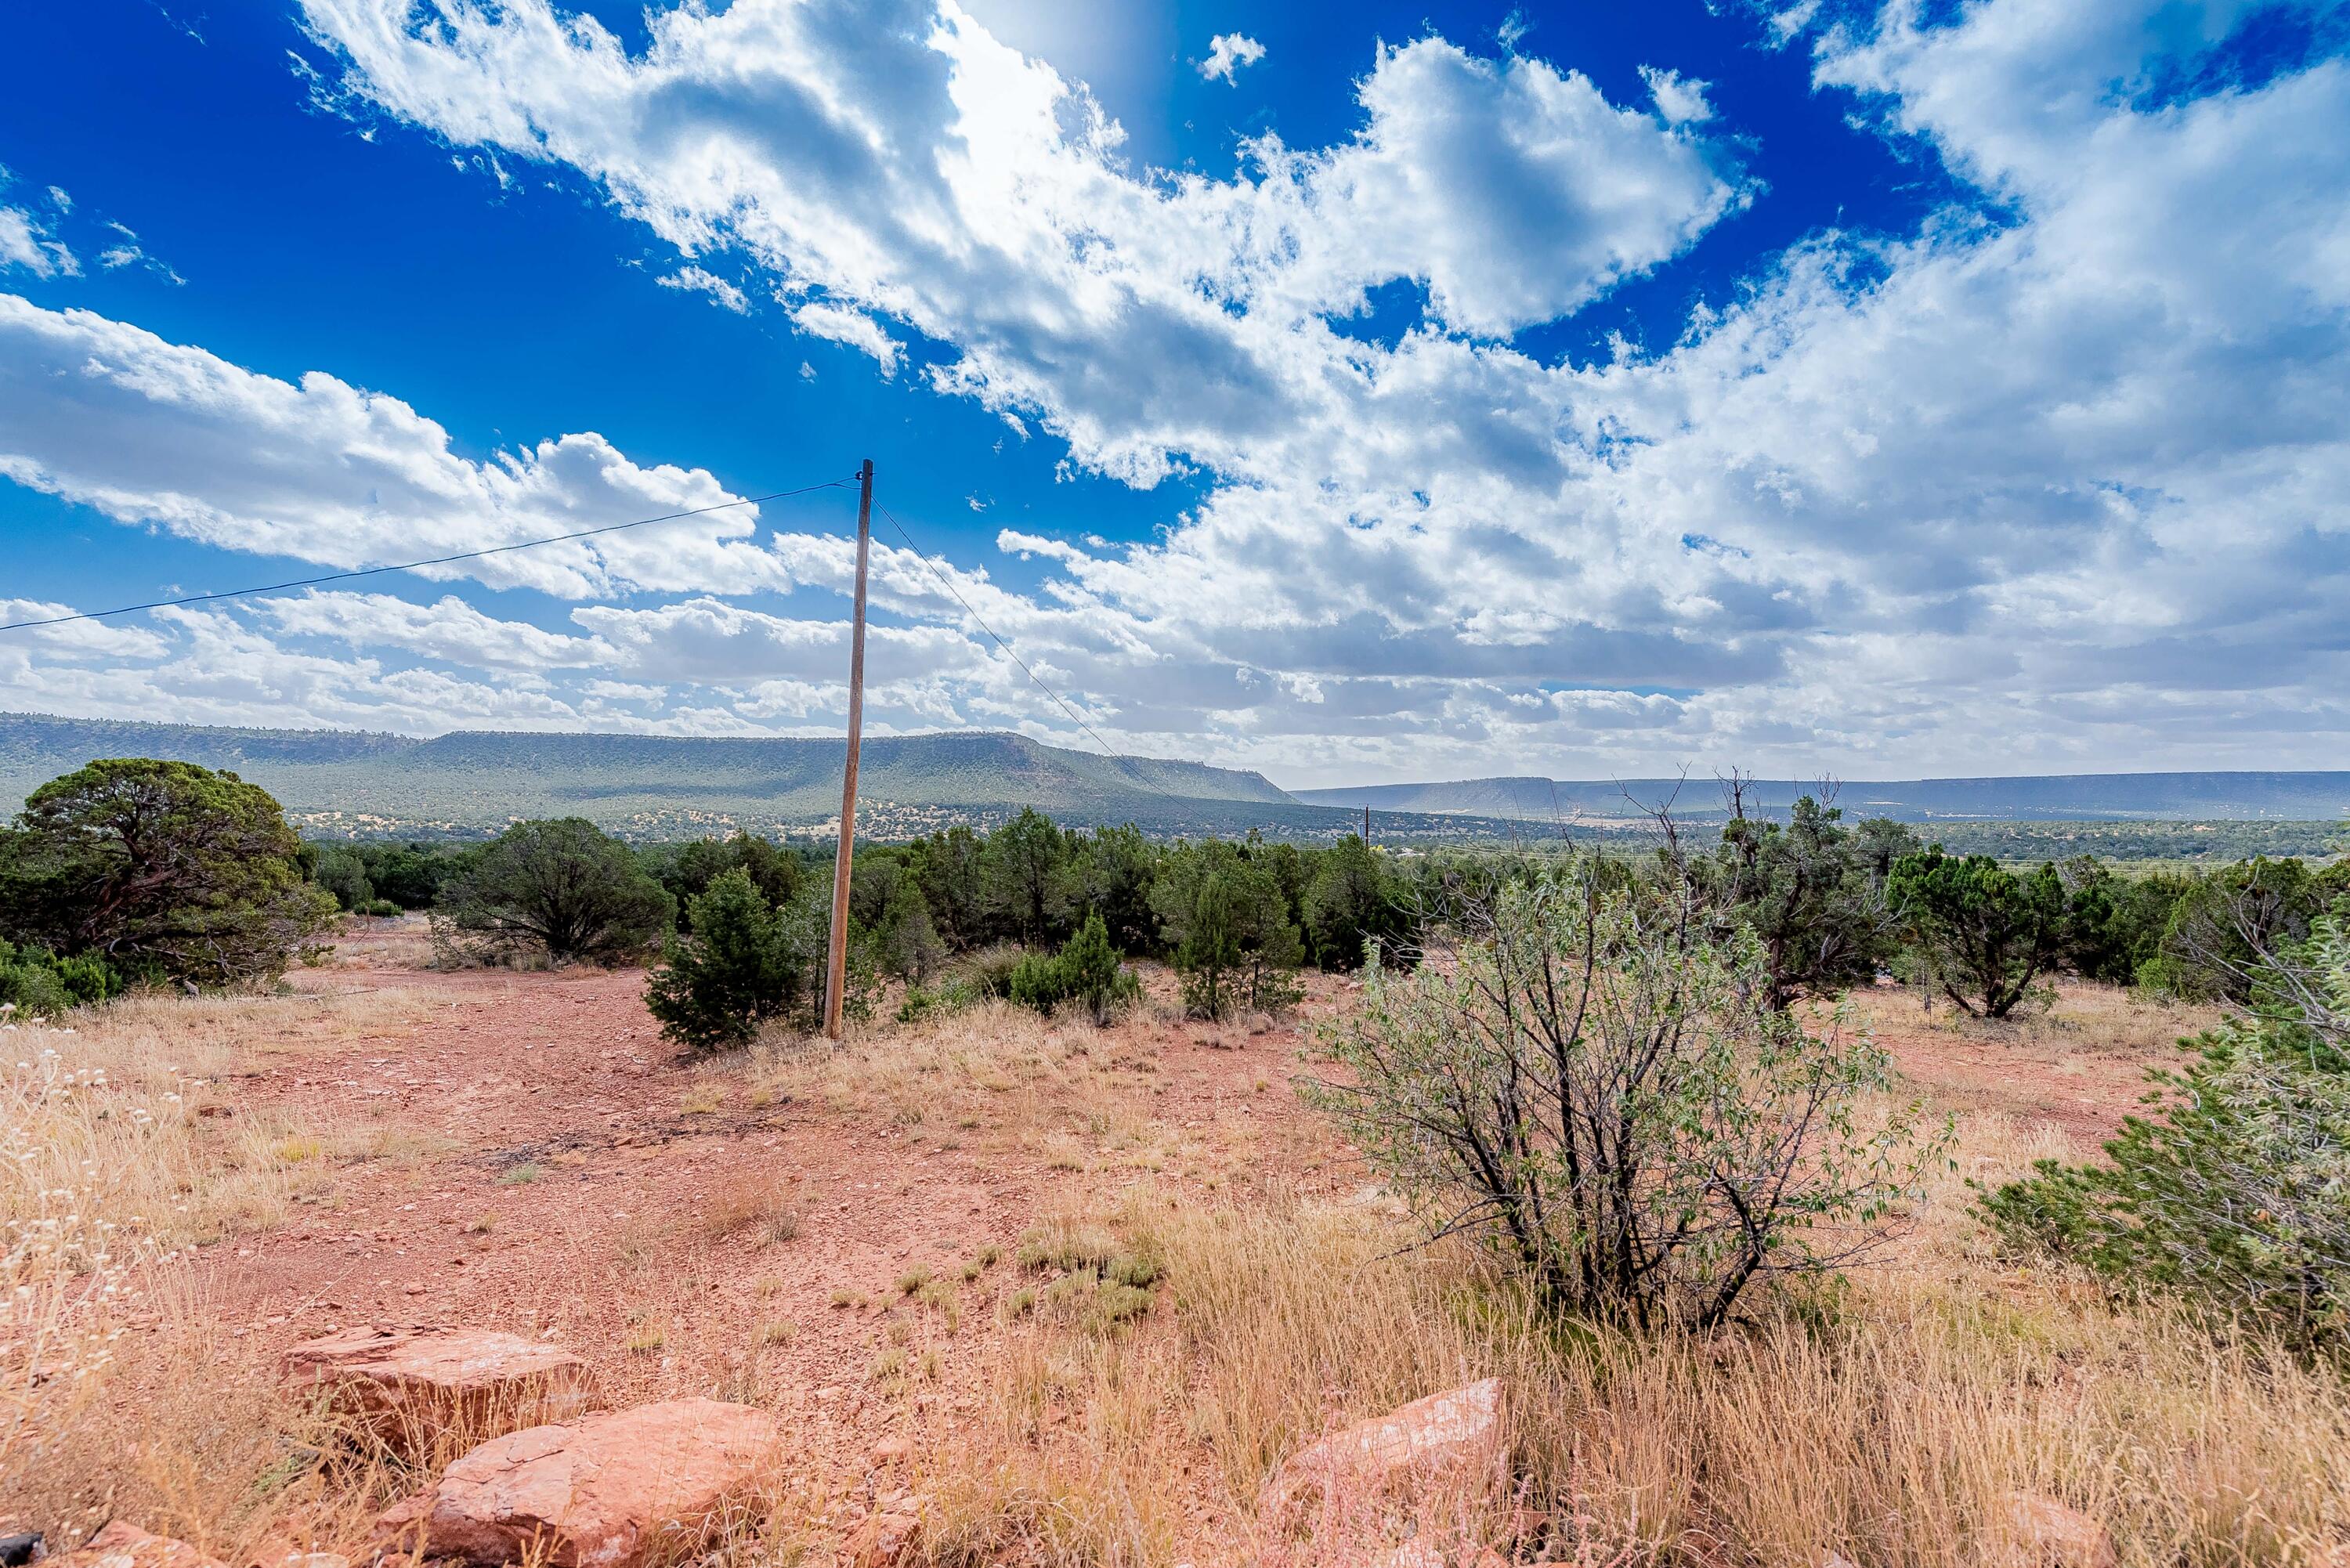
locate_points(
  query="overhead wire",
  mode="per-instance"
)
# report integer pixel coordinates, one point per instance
(418, 566)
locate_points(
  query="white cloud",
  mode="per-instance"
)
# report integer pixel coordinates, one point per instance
(853, 328)
(1679, 100)
(2062, 474)
(149, 431)
(128, 252)
(1227, 53)
(698, 280)
(26, 242)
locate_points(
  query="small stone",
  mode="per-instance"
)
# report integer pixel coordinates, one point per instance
(890, 1450)
(2052, 1534)
(124, 1545)
(880, 1541)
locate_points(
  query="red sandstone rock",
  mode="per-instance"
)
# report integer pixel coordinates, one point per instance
(1449, 1435)
(2052, 1533)
(407, 1383)
(122, 1546)
(880, 1541)
(608, 1493)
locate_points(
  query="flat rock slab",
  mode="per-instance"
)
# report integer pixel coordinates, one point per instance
(1451, 1435)
(124, 1545)
(408, 1384)
(607, 1493)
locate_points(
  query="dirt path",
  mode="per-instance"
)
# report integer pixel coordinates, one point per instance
(531, 1156)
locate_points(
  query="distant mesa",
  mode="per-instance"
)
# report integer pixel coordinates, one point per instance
(346, 783)
(2062, 797)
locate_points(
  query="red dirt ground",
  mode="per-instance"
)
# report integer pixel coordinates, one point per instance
(602, 1249)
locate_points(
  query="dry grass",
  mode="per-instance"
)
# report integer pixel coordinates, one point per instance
(2081, 1016)
(1886, 1421)
(768, 1212)
(201, 1441)
(224, 1036)
(119, 1152)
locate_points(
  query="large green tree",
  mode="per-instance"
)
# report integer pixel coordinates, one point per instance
(1024, 866)
(1351, 902)
(563, 887)
(163, 866)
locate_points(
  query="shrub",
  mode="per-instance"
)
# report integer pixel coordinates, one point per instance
(1811, 890)
(161, 865)
(2220, 926)
(1983, 933)
(1606, 1094)
(39, 984)
(1086, 969)
(563, 887)
(341, 873)
(1235, 946)
(2235, 1193)
(742, 964)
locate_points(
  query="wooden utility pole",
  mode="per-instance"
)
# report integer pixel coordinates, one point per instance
(836, 958)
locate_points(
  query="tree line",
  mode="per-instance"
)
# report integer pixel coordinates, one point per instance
(1606, 1070)
(134, 869)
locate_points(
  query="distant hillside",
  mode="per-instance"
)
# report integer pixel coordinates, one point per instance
(2069, 797)
(659, 786)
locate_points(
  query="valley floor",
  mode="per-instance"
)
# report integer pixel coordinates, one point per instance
(836, 1237)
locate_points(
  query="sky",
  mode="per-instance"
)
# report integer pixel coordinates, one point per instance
(1355, 393)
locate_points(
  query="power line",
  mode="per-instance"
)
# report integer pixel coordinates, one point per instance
(947, 583)
(415, 565)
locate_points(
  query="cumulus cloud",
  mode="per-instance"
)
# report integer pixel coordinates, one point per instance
(2063, 469)
(1227, 53)
(145, 430)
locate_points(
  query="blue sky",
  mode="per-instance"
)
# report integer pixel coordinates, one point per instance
(1353, 392)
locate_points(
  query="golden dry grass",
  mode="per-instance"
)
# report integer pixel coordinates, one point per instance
(120, 1152)
(2082, 1015)
(1064, 1416)
(1889, 1420)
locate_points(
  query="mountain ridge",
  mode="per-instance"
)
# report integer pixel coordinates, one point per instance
(483, 778)
(2245, 795)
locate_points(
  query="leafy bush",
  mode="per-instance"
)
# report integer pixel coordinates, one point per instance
(562, 888)
(1602, 1090)
(39, 984)
(2235, 1193)
(1086, 969)
(160, 865)
(741, 964)
(688, 869)
(2220, 926)
(343, 874)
